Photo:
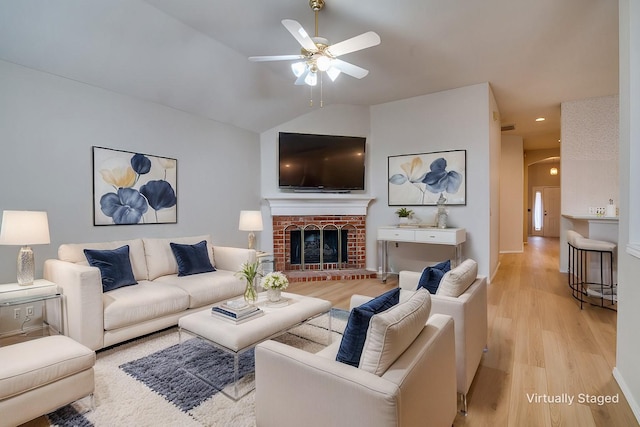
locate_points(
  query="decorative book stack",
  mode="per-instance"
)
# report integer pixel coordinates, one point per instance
(236, 311)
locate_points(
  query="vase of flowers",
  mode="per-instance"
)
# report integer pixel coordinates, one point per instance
(249, 271)
(274, 283)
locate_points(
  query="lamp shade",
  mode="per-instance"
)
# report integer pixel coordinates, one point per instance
(23, 228)
(250, 221)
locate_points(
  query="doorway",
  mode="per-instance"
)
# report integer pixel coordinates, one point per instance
(546, 211)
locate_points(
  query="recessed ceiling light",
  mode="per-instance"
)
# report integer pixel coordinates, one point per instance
(540, 119)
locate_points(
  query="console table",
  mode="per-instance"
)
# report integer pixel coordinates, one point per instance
(424, 235)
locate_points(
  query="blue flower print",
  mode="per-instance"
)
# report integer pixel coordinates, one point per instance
(439, 180)
(159, 194)
(125, 207)
(141, 164)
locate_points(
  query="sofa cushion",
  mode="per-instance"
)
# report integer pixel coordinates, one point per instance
(35, 363)
(206, 288)
(390, 333)
(145, 301)
(160, 259)
(192, 259)
(114, 265)
(431, 276)
(74, 252)
(355, 332)
(458, 279)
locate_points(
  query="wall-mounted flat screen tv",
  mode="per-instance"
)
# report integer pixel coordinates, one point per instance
(321, 162)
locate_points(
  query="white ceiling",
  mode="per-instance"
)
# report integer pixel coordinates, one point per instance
(192, 54)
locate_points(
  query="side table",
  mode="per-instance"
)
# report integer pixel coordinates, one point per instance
(266, 261)
(28, 312)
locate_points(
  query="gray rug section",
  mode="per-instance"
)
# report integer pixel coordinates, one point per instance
(68, 417)
(166, 373)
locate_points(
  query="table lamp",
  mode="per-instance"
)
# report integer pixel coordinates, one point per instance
(24, 228)
(251, 221)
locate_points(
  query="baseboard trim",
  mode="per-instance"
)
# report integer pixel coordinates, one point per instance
(635, 408)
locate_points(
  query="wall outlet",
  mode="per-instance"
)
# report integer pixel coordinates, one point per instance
(30, 310)
(16, 313)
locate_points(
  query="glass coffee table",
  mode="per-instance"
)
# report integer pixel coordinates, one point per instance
(236, 339)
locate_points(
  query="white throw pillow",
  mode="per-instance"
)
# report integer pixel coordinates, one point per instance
(391, 332)
(458, 279)
(160, 258)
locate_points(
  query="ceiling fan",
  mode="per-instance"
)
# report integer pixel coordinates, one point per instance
(317, 55)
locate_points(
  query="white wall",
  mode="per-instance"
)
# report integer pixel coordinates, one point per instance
(511, 194)
(589, 154)
(589, 158)
(449, 120)
(627, 370)
(47, 127)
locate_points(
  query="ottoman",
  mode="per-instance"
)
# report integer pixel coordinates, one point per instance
(42, 375)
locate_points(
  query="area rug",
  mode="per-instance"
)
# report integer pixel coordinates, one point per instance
(143, 382)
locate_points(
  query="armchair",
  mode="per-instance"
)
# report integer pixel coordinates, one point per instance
(469, 312)
(296, 388)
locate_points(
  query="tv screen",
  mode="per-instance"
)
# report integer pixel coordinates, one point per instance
(321, 162)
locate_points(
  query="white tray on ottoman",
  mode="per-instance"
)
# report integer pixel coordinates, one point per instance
(238, 338)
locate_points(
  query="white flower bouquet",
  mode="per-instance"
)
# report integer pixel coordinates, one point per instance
(275, 280)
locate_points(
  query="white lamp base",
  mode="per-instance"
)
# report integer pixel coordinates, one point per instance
(252, 240)
(26, 266)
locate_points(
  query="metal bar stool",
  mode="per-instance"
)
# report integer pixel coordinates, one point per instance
(581, 251)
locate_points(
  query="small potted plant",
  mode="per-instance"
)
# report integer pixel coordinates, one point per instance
(249, 271)
(274, 283)
(404, 214)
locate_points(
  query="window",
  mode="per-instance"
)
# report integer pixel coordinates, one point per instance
(537, 212)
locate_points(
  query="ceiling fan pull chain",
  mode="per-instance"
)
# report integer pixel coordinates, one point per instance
(321, 99)
(310, 96)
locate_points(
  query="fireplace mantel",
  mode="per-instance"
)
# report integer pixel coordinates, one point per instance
(348, 205)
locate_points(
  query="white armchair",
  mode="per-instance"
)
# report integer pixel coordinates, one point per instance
(296, 388)
(469, 312)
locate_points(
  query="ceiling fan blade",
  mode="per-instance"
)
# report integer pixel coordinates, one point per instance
(350, 69)
(275, 58)
(300, 80)
(360, 42)
(300, 34)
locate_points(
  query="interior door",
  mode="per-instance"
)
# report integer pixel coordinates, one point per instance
(551, 208)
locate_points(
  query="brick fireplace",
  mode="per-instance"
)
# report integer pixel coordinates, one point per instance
(319, 239)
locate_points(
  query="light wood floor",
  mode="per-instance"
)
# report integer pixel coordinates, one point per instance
(539, 342)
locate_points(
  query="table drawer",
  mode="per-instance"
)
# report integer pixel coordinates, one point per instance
(396, 234)
(436, 236)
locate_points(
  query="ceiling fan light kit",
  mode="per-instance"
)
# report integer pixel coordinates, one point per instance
(317, 56)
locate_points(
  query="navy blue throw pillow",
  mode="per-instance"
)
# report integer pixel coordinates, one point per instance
(355, 333)
(431, 276)
(192, 259)
(114, 265)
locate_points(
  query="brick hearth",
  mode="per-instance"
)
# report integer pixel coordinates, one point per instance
(355, 225)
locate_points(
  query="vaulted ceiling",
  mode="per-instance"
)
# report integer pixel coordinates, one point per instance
(192, 54)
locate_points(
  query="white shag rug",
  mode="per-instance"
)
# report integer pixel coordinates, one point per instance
(121, 399)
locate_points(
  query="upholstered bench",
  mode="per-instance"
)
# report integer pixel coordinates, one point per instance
(42, 375)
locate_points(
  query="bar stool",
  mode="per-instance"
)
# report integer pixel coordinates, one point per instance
(581, 250)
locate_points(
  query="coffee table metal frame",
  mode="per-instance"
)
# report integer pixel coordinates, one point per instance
(236, 393)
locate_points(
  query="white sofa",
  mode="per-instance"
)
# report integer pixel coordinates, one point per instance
(100, 319)
(418, 388)
(469, 312)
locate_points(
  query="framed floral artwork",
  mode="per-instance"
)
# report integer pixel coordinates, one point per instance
(421, 179)
(133, 188)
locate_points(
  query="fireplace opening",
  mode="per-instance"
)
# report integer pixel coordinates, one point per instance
(318, 247)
